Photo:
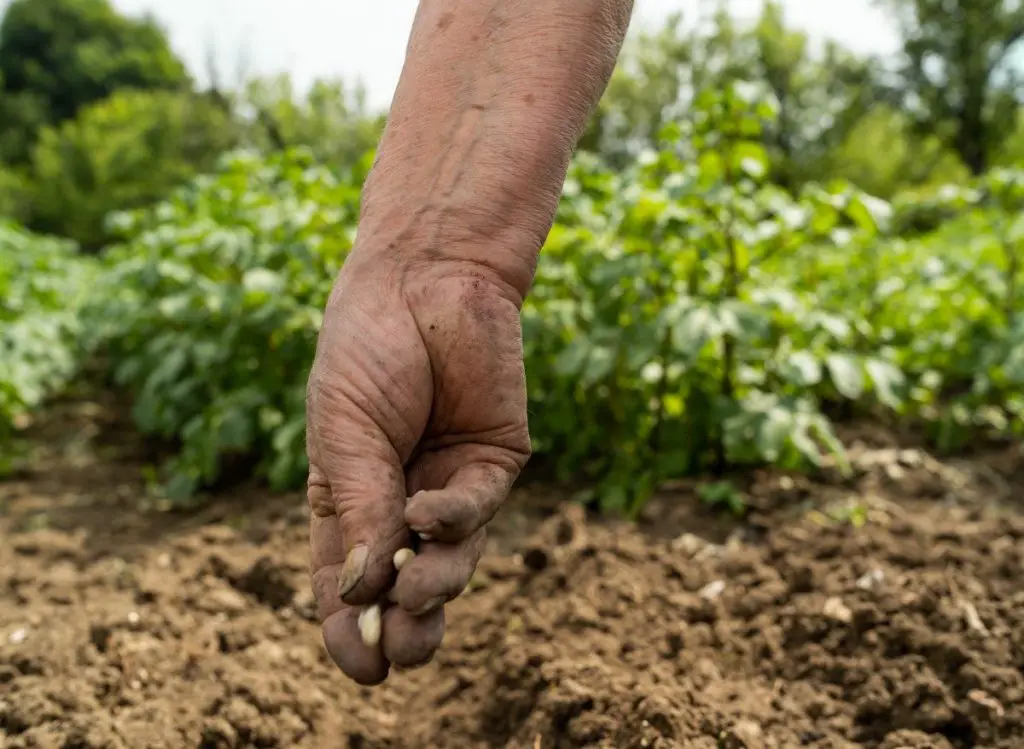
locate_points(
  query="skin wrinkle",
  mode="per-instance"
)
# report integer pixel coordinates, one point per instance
(584, 19)
(364, 398)
(447, 150)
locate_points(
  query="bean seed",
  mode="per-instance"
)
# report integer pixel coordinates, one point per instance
(403, 557)
(369, 626)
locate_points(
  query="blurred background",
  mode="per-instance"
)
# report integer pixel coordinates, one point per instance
(781, 218)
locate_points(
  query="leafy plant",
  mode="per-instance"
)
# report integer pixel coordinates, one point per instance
(723, 493)
(42, 285)
(211, 308)
(689, 314)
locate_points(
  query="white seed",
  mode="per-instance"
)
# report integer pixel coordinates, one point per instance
(403, 557)
(426, 537)
(369, 626)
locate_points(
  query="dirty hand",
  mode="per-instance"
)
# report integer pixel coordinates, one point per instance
(416, 405)
(416, 424)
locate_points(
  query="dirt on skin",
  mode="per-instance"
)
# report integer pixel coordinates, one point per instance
(794, 629)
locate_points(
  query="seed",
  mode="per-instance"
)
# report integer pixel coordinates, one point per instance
(403, 557)
(369, 626)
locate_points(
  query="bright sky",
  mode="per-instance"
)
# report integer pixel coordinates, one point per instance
(366, 38)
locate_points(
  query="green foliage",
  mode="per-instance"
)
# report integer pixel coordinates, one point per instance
(882, 155)
(42, 285)
(723, 494)
(958, 78)
(56, 56)
(13, 195)
(689, 315)
(663, 337)
(211, 309)
(331, 120)
(124, 152)
(821, 95)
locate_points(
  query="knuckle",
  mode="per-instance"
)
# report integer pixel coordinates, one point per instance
(319, 497)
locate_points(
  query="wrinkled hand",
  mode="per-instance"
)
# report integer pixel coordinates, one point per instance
(416, 424)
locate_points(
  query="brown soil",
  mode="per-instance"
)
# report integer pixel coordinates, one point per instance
(796, 629)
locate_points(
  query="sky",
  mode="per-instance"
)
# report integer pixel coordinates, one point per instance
(365, 39)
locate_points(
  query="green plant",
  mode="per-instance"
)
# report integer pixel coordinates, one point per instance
(42, 286)
(723, 493)
(211, 307)
(689, 315)
(675, 327)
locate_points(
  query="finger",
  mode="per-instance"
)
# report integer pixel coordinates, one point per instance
(437, 574)
(356, 526)
(467, 502)
(364, 665)
(411, 641)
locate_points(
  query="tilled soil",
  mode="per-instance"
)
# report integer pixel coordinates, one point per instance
(798, 628)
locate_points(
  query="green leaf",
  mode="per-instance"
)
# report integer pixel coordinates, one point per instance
(692, 331)
(887, 379)
(804, 369)
(846, 374)
(571, 360)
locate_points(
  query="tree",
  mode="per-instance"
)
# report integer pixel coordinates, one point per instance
(331, 119)
(957, 78)
(883, 155)
(124, 152)
(820, 96)
(57, 56)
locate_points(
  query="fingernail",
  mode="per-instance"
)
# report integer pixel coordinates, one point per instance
(402, 558)
(429, 606)
(353, 571)
(369, 625)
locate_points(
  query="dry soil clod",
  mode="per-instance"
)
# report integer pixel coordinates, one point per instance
(369, 626)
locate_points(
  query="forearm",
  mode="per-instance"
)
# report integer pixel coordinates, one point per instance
(491, 101)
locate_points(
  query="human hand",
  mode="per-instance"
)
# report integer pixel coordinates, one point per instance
(417, 391)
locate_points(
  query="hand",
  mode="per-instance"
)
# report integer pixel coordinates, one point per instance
(417, 391)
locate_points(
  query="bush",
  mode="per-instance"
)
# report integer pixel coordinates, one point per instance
(42, 286)
(122, 153)
(211, 310)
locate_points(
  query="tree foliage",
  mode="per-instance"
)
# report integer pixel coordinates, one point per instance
(820, 95)
(126, 151)
(957, 76)
(331, 119)
(57, 56)
(757, 237)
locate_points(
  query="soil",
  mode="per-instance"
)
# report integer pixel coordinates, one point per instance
(884, 610)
